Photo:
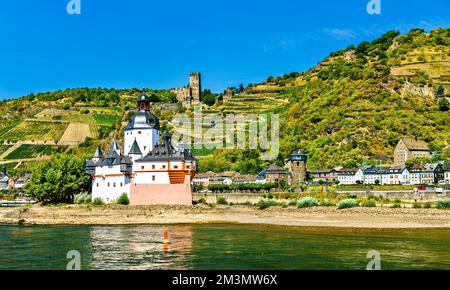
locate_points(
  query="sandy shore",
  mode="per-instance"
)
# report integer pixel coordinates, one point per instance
(364, 218)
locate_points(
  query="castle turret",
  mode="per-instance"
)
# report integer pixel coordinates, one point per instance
(135, 152)
(98, 155)
(143, 128)
(298, 167)
(195, 86)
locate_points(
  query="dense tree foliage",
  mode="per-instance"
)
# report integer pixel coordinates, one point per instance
(58, 180)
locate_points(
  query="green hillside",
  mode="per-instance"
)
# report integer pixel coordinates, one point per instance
(360, 101)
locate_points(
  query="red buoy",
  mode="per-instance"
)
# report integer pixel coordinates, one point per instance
(166, 238)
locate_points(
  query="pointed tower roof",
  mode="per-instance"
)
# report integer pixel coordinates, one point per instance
(113, 151)
(135, 148)
(98, 153)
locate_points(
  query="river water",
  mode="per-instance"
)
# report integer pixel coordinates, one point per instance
(219, 247)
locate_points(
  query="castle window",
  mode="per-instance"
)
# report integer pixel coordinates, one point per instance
(97, 184)
(145, 147)
(153, 166)
(164, 167)
(121, 184)
(176, 167)
(153, 178)
(142, 167)
(139, 132)
(109, 184)
(114, 184)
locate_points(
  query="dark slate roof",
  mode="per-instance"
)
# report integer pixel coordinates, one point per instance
(98, 153)
(143, 119)
(113, 158)
(166, 152)
(135, 148)
(113, 151)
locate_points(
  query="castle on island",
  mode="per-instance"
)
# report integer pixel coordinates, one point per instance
(148, 170)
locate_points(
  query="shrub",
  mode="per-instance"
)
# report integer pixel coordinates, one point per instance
(443, 204)
(351, 196)
(266, 203)
(123, 199)
(97, 201)
(293, 202)
(347, 203)
(221, 200)
(397, 200)
(369, 203)
(307, 202)
(396, 205)
(417, 205)
(82, 198)
(202, 200)
(326, 203)
(427, 205)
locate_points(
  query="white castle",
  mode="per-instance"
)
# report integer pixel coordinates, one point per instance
(148, 171)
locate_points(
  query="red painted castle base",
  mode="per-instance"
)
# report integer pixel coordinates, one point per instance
(160, 194)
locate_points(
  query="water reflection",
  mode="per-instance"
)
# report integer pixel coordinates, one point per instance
(140, 247)
(218, 247)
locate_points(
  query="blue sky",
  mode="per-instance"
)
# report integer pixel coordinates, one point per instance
(148, 43)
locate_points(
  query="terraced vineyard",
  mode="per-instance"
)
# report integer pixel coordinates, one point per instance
(3, 148)
(35, 130)
(254, 104)
(106, 120)
(32, 151)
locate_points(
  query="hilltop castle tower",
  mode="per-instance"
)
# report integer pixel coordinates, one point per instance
(298, 167)
(190, 95)
(196, 86)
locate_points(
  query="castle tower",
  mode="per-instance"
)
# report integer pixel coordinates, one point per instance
(195, 86)
(143, 128)
(298, 167)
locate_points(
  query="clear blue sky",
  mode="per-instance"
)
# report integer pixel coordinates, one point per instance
(149, 43)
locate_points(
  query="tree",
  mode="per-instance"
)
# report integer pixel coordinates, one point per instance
(58, 180)
(440, 91)
(66, 106)
(208, 98)
(443, 104)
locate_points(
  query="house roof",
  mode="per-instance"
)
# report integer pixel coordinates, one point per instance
(415, 144)
(348, 171)
(275, 169)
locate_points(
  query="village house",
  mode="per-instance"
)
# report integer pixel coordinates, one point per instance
(410, 148)
(244, 179)
(20, 182)
(396, 175)
(348, 176)
(276, 174)
(223, 178)
(4, 179)
(447, 173)
(203, 178)
(147, 171)
(427, 174)
(324, 175)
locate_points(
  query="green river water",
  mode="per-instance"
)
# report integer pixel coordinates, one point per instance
(219, 247)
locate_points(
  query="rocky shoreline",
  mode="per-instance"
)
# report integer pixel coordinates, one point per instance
(316, 217)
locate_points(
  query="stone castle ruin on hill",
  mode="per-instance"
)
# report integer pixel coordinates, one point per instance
(190, 95)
